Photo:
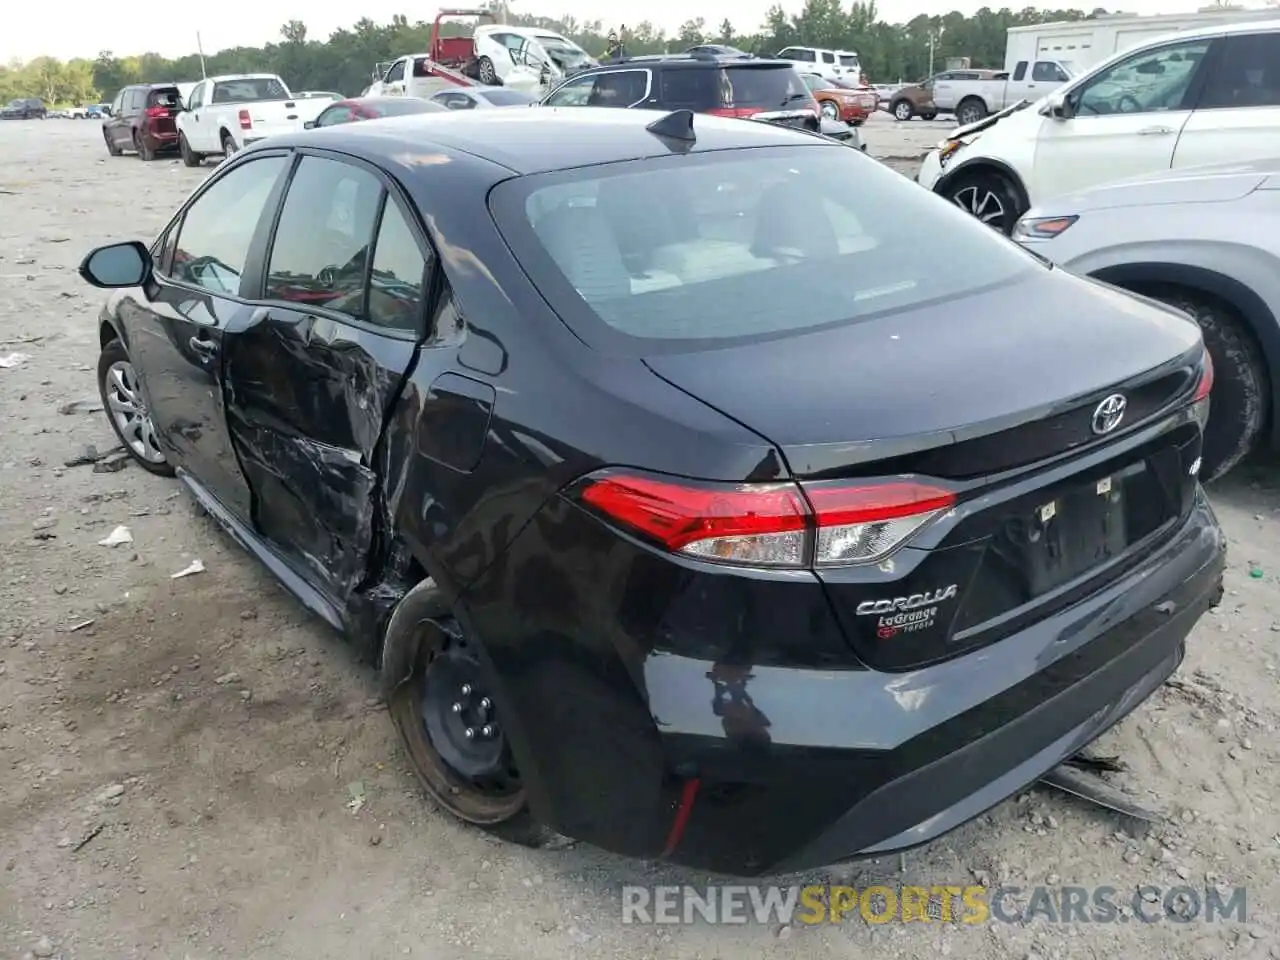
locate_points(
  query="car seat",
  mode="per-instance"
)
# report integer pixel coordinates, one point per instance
(791, 223)
(585, 249)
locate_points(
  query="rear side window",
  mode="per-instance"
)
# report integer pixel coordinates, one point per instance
(1248, 75)
(764, 88)
(218, 228)
(721, 247)
(693, 88)
(321, 246)
(619, 89)
(401, 106)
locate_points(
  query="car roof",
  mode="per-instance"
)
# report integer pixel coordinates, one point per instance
(1214, 30)
(690, 60)
(540, 139)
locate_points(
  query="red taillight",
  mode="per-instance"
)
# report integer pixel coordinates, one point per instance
(734, 111)
(1205, 386)
(246, 122)
(773, 524)
(156, 113)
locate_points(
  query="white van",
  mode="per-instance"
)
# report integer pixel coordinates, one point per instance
(832, 64)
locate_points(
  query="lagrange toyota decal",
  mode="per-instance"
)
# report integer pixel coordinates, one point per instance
(906, 614)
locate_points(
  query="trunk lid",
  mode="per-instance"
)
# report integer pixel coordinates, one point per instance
(999, 408)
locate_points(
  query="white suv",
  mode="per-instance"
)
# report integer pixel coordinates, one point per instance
(1196, 97)
(832, 64)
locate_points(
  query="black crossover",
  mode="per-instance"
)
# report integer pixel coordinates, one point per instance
(702, 489)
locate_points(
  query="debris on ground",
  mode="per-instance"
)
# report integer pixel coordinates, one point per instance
(87, 405)
(190, 570)
(90, 454)
(113, 462)
(358, 796)
(13, 359)
(116, 537)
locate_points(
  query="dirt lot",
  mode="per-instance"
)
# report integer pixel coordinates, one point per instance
(179, 757)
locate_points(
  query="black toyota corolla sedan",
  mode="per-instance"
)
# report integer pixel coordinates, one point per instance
(703, 489)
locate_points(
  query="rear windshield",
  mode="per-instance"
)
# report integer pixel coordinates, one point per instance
(848, 59)
(248, 91)
(506, 98)
(164, 97)
(738, 245)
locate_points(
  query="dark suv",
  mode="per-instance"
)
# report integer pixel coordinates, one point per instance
(728, 86)
(143, 119)
(24, 108)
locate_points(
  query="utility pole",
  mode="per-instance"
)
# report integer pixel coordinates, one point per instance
(200, 48)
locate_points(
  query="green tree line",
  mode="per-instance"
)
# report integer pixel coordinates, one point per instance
(889, 51)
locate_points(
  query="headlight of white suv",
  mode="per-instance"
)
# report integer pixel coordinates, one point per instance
(1041, 228)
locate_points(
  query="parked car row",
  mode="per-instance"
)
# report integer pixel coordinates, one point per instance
(24, 108)
(1118, 176)
(647, 556)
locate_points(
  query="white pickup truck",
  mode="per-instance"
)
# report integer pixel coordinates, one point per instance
(973, 100)
(226, 114)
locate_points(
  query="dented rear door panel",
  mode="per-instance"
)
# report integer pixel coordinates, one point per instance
(307, 397)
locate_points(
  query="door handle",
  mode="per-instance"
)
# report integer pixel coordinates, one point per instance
(206, 350)
(1155, 131)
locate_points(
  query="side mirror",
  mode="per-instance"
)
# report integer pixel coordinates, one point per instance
(1057, 107)
(117, 265)
(309, 125)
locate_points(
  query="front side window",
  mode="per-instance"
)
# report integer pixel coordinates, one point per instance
(197, 97)
(333, 115)
(718, 247)
(1048, 72)
(217, 230)
(574, 93)
(1248, 75)
(321, 246)
(1146, 82)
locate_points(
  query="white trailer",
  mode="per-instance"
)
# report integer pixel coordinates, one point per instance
(1083, 43)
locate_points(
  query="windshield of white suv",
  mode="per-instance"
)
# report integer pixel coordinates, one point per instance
(723, 245)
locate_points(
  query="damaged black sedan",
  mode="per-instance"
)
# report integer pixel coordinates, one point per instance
(702, 490)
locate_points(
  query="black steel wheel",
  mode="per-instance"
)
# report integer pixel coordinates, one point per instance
(456, 739)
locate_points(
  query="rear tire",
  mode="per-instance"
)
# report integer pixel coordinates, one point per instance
(487, 74)
(989, 197)
(444, 663)
(146, 152)
(189, 158)
(970, 110)
(229, 147)
(902, 110)
(1241, 393)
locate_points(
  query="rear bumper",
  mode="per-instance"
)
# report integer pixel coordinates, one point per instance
(803, 767)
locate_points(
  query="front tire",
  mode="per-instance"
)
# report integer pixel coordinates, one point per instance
(112, 147)
(125, 405)
(1241, 393)
(989, 197)
(902, 110)
(446, 694)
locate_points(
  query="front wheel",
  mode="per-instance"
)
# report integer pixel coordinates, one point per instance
(1241, 392)
(126, 409)
(454, 736)
(989, 197)
(112, 147)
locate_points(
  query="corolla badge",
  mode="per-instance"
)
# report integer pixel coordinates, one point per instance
(1108, 414)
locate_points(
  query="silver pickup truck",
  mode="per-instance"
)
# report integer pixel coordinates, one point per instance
(972, 100)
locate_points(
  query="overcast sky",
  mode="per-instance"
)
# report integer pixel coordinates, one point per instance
(170, 29)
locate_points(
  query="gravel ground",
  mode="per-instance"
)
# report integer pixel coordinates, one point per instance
(179, 757)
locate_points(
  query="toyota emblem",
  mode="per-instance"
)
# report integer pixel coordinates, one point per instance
(1108, 414)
